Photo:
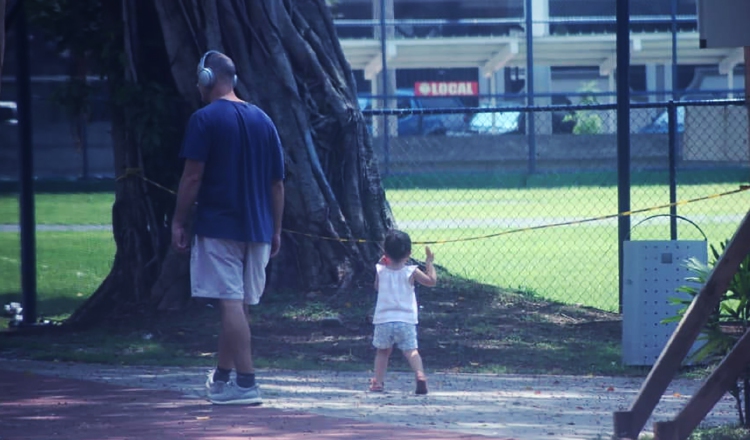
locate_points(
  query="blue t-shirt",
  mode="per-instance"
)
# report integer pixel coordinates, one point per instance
(242, 155)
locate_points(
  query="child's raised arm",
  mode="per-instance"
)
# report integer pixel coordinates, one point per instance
(428, 279)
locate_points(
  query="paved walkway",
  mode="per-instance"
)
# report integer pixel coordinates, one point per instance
(80, 401)
(48, 407)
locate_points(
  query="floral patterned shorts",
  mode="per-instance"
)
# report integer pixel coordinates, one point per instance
(400, 333)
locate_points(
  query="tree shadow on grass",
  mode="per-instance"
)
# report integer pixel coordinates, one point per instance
(464, 327)
(47, 305)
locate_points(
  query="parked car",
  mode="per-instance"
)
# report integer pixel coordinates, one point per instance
(416, 124)
(504, 122)
(660, 124)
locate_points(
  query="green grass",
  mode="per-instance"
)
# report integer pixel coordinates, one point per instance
(104, 346)
(70, 266)
(575, 264)
(495, 180)
(62, 209)
(456, 204)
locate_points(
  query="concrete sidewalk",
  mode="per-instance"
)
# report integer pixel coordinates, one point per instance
(35, 407)
(459, 405)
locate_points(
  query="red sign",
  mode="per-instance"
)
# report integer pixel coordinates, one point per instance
(446, 88)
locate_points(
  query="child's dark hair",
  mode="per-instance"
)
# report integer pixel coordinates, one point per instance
(397, 244)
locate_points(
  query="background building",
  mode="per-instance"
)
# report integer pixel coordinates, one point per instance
(574, 47)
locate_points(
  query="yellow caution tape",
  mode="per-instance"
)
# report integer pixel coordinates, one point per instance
(742, 188)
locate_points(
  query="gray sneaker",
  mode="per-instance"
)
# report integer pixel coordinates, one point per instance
(231, 394)
(214, 388)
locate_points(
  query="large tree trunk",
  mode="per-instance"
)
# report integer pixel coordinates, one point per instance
(146, 122)
(291, 65)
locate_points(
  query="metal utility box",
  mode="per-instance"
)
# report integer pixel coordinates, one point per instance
(652, 272)
(723, 23)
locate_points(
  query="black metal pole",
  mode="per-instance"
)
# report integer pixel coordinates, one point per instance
(11, 14)
(672, 124)
(83, 133)
(384, 74)
(673, 130)
(674, 49)
(530, 116)
(26, 177)
(623, 130)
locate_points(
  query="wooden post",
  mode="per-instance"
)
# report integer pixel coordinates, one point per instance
(623, 421)
(666, 431)
(713, 389)
(687, 331)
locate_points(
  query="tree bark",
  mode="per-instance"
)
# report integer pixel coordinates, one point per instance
(144, 126)
(291, 65)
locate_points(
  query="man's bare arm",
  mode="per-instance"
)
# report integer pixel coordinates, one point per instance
(187, 194)
(277, 202)
(277, 199)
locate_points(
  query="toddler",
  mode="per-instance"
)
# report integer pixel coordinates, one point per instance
(395, 316)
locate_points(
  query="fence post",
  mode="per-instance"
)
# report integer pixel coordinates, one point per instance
(83, 134)
(673, 20)
(672, 123)
(26, 177)
(530, 115)
(384, 73)
(623, 131)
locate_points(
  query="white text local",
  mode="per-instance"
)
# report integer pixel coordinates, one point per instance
(446, 88)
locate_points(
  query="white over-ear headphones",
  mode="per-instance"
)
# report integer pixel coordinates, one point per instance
(206, 77)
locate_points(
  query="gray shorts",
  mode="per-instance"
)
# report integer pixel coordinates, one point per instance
(403, 335)
(228, 269)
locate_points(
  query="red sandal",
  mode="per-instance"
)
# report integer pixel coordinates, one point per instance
(376, 387)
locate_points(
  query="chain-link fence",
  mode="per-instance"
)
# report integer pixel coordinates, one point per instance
(66, 146)
(504, 206)
(513, 208)
(504, 189)
(73, 191)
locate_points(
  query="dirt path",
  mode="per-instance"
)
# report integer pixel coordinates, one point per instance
(497, 406)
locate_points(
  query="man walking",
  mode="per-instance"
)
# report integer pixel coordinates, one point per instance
(234, 170)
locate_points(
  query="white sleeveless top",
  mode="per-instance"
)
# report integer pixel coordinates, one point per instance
(396, 299)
